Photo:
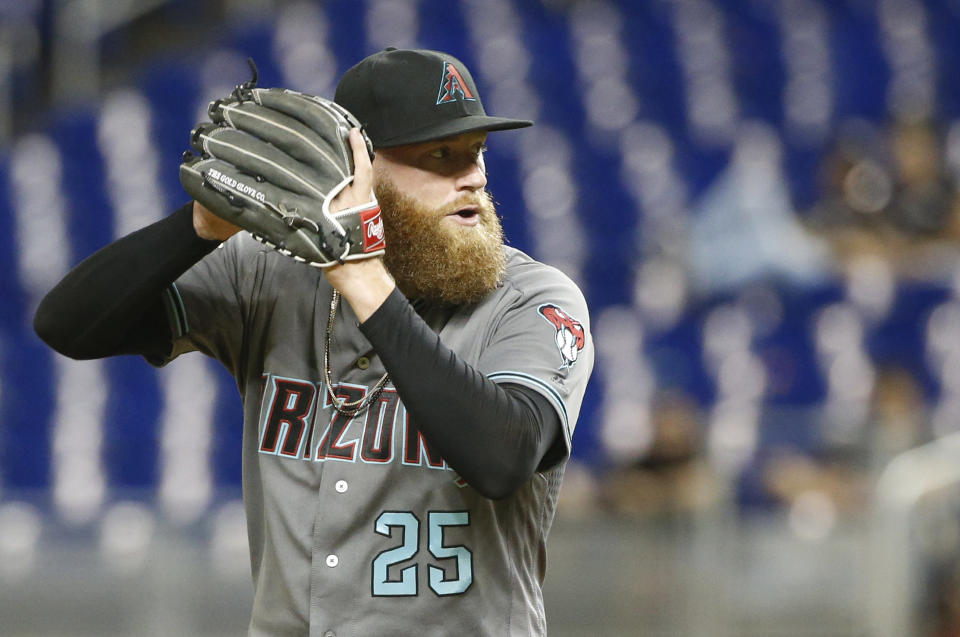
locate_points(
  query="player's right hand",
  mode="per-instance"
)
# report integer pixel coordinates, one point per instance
(360, 191)
(365, 283)
(209, 226)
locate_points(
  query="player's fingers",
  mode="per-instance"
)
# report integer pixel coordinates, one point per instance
(363, 168)
(207, 225)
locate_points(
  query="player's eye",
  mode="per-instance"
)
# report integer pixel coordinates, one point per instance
(440, 153)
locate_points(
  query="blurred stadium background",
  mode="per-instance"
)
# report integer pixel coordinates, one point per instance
(758, 198)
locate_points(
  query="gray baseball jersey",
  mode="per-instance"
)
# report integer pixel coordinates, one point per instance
(357, 526)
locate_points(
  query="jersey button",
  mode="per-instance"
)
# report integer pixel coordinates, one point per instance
(329, 633)
(363, 362)
(332, 560)
(340, 486)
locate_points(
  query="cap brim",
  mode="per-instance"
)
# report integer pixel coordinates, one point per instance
(453, 127)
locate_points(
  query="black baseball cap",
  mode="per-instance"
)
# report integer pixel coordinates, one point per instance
(407, 96)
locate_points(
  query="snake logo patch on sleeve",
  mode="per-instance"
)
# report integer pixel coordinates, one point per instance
(570, 337)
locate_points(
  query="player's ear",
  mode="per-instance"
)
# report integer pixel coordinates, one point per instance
(378, 166)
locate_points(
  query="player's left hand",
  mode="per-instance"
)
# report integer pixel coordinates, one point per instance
(365, 284)
(272, 161)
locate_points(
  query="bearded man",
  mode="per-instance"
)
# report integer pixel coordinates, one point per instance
(402, 451)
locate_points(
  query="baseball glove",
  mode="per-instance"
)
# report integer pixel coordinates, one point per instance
(271, 161)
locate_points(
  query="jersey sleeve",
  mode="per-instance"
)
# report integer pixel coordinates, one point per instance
(206, 307)
(542, 341)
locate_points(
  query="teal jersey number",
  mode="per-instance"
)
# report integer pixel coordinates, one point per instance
(407, 584)
(437, 521)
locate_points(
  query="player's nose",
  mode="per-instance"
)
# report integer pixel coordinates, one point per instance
(473, 177)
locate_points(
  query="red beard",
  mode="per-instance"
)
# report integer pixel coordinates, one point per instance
(435, 260)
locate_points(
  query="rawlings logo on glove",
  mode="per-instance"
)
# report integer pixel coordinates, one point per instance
(271, 161)
(373, 239)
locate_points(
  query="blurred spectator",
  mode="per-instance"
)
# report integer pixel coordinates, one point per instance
(925, 201)
(844, 470)
(791, 477)
(939, 607)
(887, 191)
(855, 183)
(898, 416)
(897, 421)
(672, 476)
(943, 616)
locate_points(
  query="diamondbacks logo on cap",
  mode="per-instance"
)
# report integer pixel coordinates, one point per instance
(371, 224)
(570, 336)
(452, 83)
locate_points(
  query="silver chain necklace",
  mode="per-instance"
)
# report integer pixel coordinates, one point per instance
(348, 409)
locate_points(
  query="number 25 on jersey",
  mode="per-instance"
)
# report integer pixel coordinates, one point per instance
(407, 585)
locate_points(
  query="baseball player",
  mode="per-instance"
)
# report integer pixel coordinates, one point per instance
(407, 418)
